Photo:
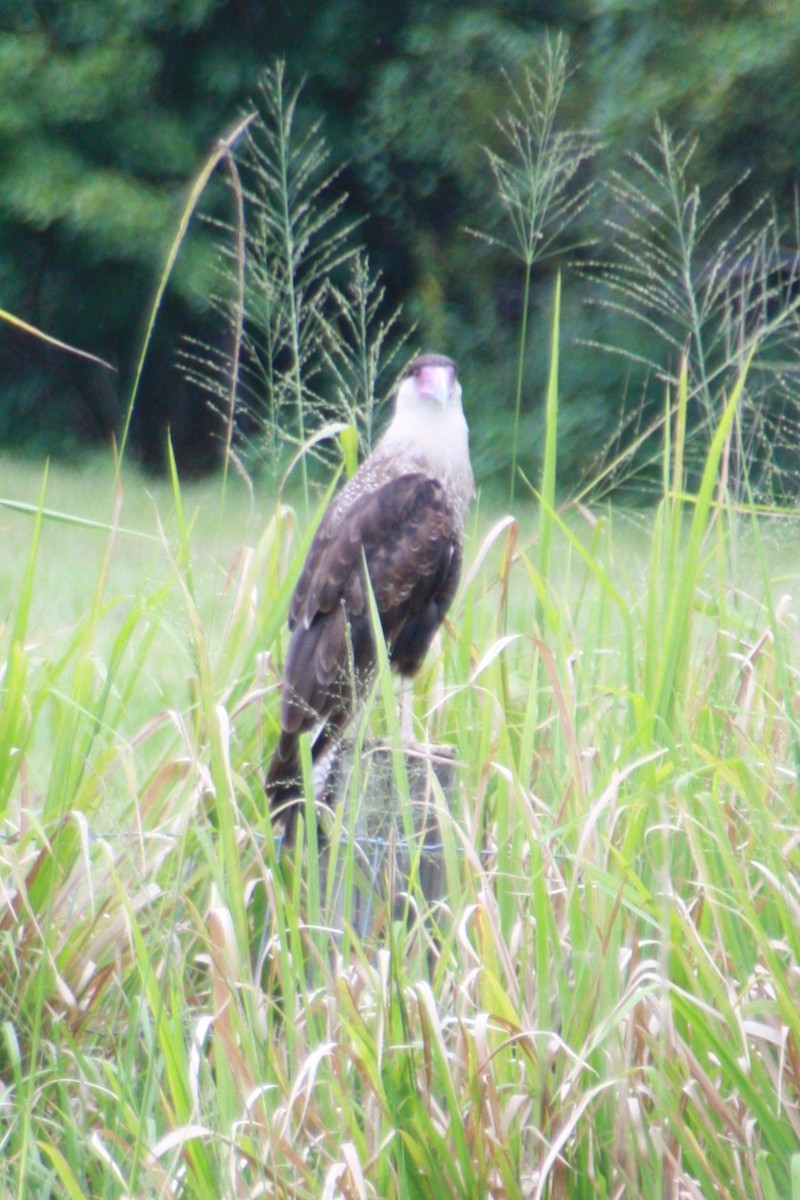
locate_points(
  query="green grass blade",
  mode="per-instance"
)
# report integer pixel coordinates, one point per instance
(550, 461)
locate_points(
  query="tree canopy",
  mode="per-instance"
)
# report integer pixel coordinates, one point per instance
(108, 109)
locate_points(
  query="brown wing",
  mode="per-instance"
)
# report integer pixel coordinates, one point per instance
(406, 532)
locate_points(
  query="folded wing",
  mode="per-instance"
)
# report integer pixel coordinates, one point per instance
(406, 534)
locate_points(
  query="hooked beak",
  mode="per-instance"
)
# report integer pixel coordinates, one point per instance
(436, 382)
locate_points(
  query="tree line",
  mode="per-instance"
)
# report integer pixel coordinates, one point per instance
(107, 112)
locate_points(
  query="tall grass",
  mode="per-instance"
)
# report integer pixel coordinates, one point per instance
(685, 282)
(605, 1001)
(540, 191)
(311, 341)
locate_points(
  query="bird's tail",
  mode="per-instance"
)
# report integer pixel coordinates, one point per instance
(284, 781)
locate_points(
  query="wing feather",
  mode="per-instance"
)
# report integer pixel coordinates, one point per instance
(406, 532)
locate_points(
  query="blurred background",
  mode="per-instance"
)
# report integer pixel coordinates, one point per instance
(110, 108)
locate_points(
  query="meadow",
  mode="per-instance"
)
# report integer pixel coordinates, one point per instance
(605, 1001)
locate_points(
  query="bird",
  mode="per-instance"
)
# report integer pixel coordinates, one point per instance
(400, 519)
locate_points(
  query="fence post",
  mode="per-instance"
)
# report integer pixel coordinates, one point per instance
(368, 875)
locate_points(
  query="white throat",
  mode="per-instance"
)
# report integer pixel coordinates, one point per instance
(433, 435)
(430, 436)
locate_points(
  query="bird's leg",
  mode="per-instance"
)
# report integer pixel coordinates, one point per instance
(406, 711)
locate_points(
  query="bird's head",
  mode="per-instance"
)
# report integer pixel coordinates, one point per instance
(428, 430)
(428, 384)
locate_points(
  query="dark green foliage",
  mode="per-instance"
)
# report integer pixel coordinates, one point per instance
(725, 71)
(97, 154)
(108, 109)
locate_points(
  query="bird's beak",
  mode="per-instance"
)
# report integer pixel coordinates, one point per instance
(442, 386)
(436, 383)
